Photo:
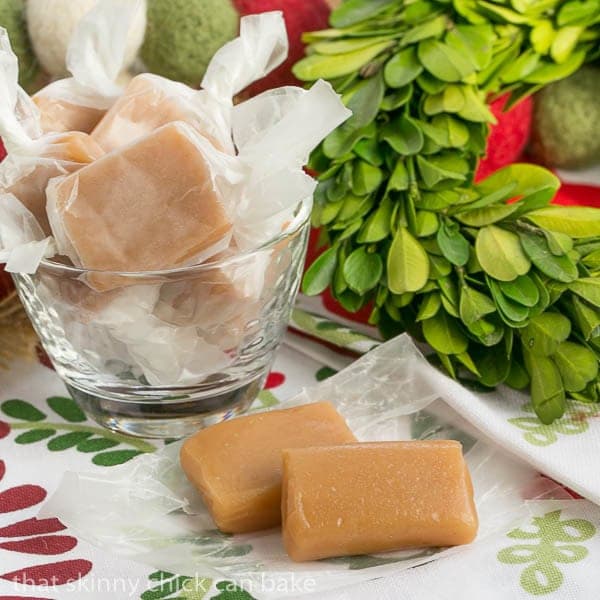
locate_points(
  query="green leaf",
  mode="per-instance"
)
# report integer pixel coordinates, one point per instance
(429, 29)
(500, 254)
(323, 66)
(362, 270)
(446, 131)
(444, 335)
(34, 435)
(407, 263)
(355, 11)
(564, 42)
(319, 275)
(577, 12)
(475, 108)
(561, 268)
(443, 61)
(402, 68)
(547, 392)
(530, 180)
(544, 333)
(370, 151)
(577, 365)
(429, 306)
(453, 244)
(520, 68)
(474, 305)
(559, 243)
(377, 226)
(574, 221)
(587, 288)
(344, 46)
(19, 409)
(399, 178)
(96, 444)
(117, 457)
(67, 408)
(403, 135)
(427, 223)
(67, 440)
(480, 217)
(443, 167)
(511, 312)
(587, 318)
(518, 377)
(493, 365)
(450, 100)
(396, 99)
(522, 290)
(440, 267)
(364, 105)
(473, 42)
(365, 178)
(467, 361)
(549, 71)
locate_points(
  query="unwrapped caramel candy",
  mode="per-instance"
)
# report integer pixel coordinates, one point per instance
(148, 206)
(58, 115)
(63, 154)
(375, 497)
(148, 102)
(236, 465)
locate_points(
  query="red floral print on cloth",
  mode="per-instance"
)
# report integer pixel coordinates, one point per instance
(37, 537)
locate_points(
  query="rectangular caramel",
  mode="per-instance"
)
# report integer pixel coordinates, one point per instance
(236, 465)
(64, 153)
(375, 497)
(148, 102)
(58, 116)
(148, 206)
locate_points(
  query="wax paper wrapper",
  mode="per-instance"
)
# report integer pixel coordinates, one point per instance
(146, 509)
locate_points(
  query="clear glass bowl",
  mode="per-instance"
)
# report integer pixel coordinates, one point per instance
(161, 354)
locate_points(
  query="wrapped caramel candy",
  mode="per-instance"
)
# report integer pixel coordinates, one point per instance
(148, 102)
(58, 154)
(120, 212)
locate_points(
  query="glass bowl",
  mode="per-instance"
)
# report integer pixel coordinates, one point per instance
(162, 354)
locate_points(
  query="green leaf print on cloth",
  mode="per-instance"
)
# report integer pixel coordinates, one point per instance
(230, 591)
(331, 332)
(574, 422)
(553, 541)
(170, 586)
(71, 431)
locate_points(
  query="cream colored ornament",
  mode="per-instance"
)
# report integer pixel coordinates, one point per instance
(51, 24)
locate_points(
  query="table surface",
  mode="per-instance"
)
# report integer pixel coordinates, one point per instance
(43, 434)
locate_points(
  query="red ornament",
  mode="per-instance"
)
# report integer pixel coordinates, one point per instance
(300, 16)
(508, 138)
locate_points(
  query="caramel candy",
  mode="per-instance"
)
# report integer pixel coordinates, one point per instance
(236, 465)
(57, 115)
(64, 153)
(145, 207)
(375, 497)
(149, 102)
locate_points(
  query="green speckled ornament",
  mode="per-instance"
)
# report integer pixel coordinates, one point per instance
(183, 35)
(12, 18)
(566, 121)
